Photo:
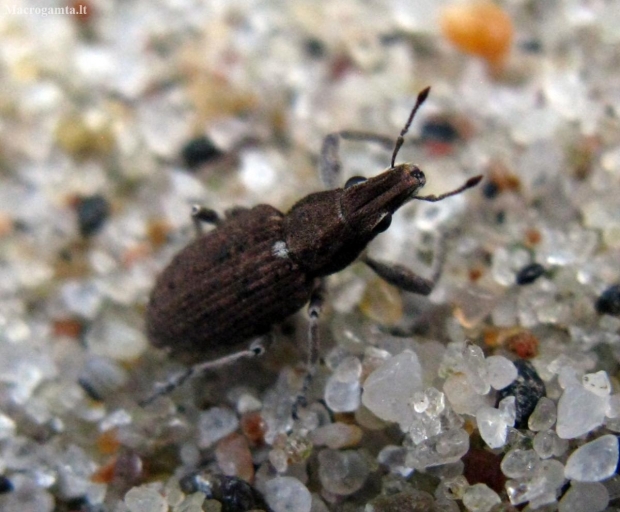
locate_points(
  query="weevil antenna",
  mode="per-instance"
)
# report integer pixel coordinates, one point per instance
(399, 142)
(471, 182)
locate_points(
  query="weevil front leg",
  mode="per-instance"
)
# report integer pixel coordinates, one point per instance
(256, 348)
(315, 307)
(404, 278)
(330, 165)
(401, 276)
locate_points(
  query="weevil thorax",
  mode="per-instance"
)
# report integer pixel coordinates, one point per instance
(325, 232)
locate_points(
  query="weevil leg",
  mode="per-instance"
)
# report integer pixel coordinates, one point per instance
(201, 215)
(314, 343)
(256, 348)
(405, 279)
(330, 165)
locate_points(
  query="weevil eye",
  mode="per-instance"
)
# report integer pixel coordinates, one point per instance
(383, 224)
(355, 180)
(418, 175)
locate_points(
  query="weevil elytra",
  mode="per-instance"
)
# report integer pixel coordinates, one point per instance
(259, 265)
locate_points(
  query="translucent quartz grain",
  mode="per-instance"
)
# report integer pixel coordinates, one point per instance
(214, 424)
(597, 383)
(579, 412)
(493, 423)
(26, 495)
(543, 416)
(410, 500)
(584, 497)
(318, 505)
(115, 334)
(540, 487)
(389, 388)
(287, 494)
(453, 488)
(191, 503)
(445, 448)
(145, 499)
(480, 498)
(594, 461)
(336, 435)
(342, 472)
(462, 397)
(7, 426)
(547, 444)
(394, 458)
(613, 408)
(342, 391)
(501, 372)
(519, 463)
(429, 408)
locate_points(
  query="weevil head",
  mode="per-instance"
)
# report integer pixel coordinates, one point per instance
(327, 231)
(367, 206)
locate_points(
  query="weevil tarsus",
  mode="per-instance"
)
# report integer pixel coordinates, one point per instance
(315, 307)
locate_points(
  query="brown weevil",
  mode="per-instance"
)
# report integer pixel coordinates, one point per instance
(259, 265)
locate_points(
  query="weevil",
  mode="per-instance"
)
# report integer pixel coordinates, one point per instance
(259, 265)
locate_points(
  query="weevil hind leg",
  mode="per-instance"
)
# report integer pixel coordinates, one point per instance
(404, 278)
(256, 348)
(317, 299)
(201, 215)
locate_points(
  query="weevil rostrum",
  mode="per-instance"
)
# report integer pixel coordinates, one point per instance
(259, 265)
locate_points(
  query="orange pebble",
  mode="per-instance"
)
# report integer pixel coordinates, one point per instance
(253, 427)
(6, 224)
(157, 232)
(480, 28)
(234, 457)
(523, 344)
(532, 237)
(492, 337)
(135, 254)
(107, 442)
(475, 274)
(104, 474)
(67, 327)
